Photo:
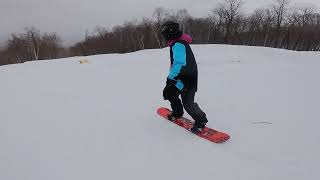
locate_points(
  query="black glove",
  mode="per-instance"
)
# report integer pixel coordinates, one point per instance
(171, 91)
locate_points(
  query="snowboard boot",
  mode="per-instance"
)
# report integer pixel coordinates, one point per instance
(198, 127)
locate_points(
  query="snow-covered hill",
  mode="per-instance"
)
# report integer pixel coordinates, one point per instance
(62, 120)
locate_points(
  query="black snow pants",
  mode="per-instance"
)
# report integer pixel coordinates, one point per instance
(189, 105)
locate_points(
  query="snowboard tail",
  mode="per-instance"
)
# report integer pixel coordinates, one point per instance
(207, 133)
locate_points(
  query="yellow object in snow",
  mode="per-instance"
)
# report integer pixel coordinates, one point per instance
(84, 61)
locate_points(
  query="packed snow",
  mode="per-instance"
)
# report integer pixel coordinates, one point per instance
(63, 120)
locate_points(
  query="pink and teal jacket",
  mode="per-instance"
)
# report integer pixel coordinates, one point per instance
(183, 69)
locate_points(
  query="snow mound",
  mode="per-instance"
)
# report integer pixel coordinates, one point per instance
(68, 120)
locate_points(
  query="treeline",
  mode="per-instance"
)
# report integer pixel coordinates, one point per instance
(32, 45)
(278, 25)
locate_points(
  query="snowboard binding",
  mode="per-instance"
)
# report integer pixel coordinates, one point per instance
(173, 118)
(197, 127)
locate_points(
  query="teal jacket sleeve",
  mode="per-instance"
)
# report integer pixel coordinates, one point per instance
(179, 61)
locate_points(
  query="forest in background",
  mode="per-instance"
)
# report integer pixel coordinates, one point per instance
(279, 25)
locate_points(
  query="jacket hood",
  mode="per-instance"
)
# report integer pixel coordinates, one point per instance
(184, 37)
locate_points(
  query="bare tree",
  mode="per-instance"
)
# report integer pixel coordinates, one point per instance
(228, 11)
(31, 45)
(301, 18)
(102, 32)
(51, 46)
(159, 15)
(255, 23)
(268, 18)
(280, 9)
(33, 39)
(183, 17)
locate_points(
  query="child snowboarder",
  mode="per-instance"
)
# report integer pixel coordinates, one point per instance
(183, 77)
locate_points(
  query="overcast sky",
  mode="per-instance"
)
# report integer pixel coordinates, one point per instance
(71, 18)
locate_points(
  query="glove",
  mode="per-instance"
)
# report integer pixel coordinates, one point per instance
(171, 91)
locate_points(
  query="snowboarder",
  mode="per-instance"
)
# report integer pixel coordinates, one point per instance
(183, 76)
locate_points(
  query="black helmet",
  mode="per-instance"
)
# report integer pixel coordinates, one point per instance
(170, 30)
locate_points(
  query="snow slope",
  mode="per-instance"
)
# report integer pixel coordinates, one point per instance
(62, 120)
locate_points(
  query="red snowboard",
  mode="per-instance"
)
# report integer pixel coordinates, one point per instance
(206, 133)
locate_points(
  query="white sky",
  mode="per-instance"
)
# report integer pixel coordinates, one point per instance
(71, 18)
